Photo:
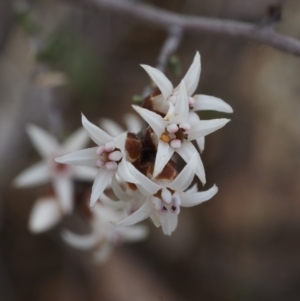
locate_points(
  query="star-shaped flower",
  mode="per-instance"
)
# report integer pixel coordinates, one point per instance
(48, 170)
(108, 156)
(164, 199)
(174, 132)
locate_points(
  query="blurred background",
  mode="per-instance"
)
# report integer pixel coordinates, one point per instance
(60, 58)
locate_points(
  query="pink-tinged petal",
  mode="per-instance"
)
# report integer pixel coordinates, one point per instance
(82, 242)
(206, 102)
(141, 214)
(120, 141)
(102, 180)
(133, 233)
(161, 81)
(44, 215)
(154, 120)
(63, 188)
(45, 143)
(37, 174)
(201, 143)
(84, 173)
(193, 199)
(186, 151)
(168, 222)
(85, 157)
(192, 76)
(133, 123)
(163, 156)
(118, 191)
(181, 109)
(205, 127)
(147, 184)
(111, 127)
(105, 200)
(186, 176)
(76, 141)
(124, 172)
(96, 134)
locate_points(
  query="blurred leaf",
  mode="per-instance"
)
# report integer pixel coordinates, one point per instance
(138, 99)
(174, 65)
(25, 20)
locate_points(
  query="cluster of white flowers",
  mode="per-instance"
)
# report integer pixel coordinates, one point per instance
(138, 165)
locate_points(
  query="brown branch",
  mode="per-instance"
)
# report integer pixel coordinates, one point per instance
(164, 19)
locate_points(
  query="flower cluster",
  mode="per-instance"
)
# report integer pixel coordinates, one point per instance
(139, 165)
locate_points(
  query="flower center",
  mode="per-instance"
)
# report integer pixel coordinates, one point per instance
(164, 201)
(109, 156)
(174, 134)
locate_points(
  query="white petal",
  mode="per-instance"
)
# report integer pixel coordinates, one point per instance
(101, 182)
(161, 81)
(205, 102)
(134, 233)
(111, 203)
(142, 213)
(147, 184)
(120, 141)
(192, 76)
(133, 123)
(82, 242)
(44, 215)
(163, 156)
(186, 176)
(111, 127)
(201, 143)
(96, 134)
(186, 152)
(85, 173)
(63, 188)
(37, 174)
(193, 199)
(181, 109)
(154, 120)
(168, 222)
(119, 192)
(193, 189)
(205, 127)
(77, 140)
(124, 173)
(87, 157)
(45, 143)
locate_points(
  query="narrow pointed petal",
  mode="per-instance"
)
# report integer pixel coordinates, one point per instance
(118, 191)
(147, 183)
(193, 199)
(134, 233)
(206, 102)
(168, 222)
(111, 127)
(154, 120)
(82, 242)
(192, 76)
(163, 156)
(181, 109)
(120, 141)
(205, 127)
(186, 151)
(193, 189)
(141, 214)
(45, 143)
(201, 143)
(44, 215)
(86, 157)
(111, 203)
(101, 182)
(37, 174)
(124, 172)
(161, 81)
(186, 176)
(133, 123)
(63, 188)
(85, 173)
(96, 134)
(77, 140)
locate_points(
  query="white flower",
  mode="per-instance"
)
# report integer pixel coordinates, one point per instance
(175, 132)
(163, 200)
(105, 235)
(109, 156)
(48, 170)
